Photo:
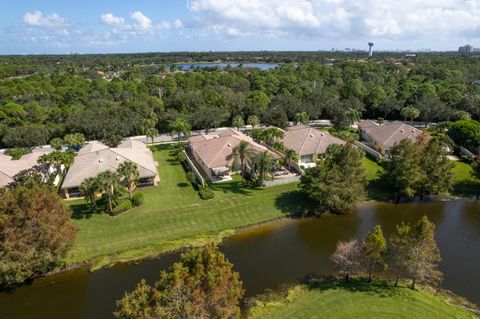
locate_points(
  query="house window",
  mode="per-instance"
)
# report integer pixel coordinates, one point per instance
(306, 158)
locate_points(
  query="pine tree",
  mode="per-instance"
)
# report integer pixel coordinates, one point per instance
(402, 171)
(425, 255)
(400, 251)
(373, 252)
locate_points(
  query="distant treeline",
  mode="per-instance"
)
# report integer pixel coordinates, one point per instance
(115, 95)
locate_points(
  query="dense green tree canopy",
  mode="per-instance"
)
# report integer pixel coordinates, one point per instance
(113, 95)
(201, 285)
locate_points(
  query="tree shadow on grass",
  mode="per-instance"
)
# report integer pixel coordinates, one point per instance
(466, 188)
(378, 288)
(183, 184)
(82, 211)
(377, 190)
(235, 187)
(295, 204)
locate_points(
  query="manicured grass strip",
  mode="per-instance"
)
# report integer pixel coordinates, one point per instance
(173, 213)
(356, 300)
(464, 184)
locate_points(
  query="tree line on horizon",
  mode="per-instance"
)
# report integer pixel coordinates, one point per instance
(67, 99)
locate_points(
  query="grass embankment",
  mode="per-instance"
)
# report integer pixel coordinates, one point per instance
(463, 183)
(174, 216)
(357, 299)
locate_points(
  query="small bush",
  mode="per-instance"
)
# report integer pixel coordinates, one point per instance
(206, 194)
(192, 177)
(17, 152)
(137, 199)
(123, 205)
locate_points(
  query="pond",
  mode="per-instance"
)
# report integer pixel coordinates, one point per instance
(261, 66)
(267, 257)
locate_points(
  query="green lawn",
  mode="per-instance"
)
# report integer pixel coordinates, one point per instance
(464, 183)
(174, 215)
(356, 300)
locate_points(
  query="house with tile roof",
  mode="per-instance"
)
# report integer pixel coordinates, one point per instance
(9, 167)
(308, 143)
(213, 153)
(95, 158)
(383, 137)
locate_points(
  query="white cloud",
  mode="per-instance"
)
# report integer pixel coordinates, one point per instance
(390, 19)
(142, 21)
(177, 24)
(37, 19)
(110, 19)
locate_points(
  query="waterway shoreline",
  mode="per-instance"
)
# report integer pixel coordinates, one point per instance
(108, 261)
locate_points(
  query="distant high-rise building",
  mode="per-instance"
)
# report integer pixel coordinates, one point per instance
(466, 49)
(370, 48)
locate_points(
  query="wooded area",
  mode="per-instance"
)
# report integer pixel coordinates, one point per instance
(110, 96)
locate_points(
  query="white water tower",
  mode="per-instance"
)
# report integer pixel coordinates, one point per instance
(370, 48)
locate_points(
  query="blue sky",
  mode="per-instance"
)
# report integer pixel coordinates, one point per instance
(104, 26)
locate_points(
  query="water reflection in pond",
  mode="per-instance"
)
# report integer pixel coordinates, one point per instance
(266, 257)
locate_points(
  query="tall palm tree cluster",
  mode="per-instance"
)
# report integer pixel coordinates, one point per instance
(254, 166)
(271, 136)
(60, 162)
(112, 184)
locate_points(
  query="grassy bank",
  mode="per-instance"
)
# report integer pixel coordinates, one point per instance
(174, 216)
(357, 299)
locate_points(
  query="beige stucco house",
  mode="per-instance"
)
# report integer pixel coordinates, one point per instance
(212, 154)
(308, 144)
(95, 158)
(9, 168)
(383, 137)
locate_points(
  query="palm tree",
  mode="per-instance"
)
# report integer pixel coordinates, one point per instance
(242, 152)
(263, 165)
(302, 118)
(148, 127)
(253, 121)
(89, 189)
(129, 175)
(238, 122)
(56, 160)
(180, 126)
(289, 156)
(410, 112)
(107, 182)
(352, 115)
(272, 135)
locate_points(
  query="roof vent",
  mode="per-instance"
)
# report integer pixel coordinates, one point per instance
(402, 130)
(100, 160)
(322, 134)
(311, 135)
(414, 130)
(117, 158)
(229, 145)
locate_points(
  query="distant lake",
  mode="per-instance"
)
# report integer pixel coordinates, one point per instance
(261, 66)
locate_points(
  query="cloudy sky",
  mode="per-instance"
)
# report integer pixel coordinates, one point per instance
(91, 26)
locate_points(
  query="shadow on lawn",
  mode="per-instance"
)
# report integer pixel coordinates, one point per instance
(234, 187)
(377, 189)
(82, 211)
(183, 184)
(295, 204)
(466, 188)
(378, 288)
